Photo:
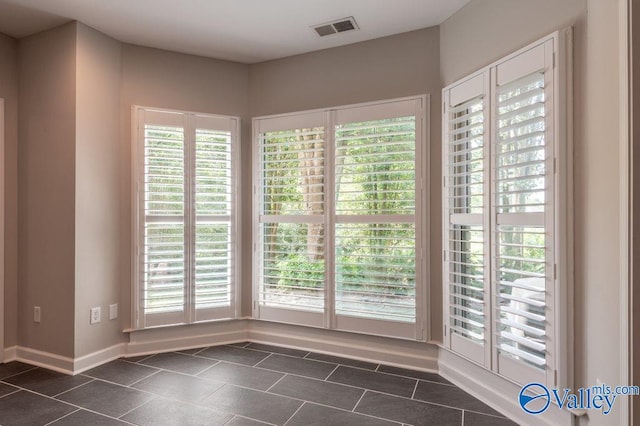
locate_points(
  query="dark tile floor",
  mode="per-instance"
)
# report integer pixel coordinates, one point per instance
(237, 385)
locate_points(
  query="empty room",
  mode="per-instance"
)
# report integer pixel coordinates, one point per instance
(322, 212)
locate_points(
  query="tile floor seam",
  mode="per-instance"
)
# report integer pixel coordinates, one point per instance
(462, 423)
(33, 367)
(75, 387)
(277, 381)
(11, 393)
(353, 410)
(413, 394)
(329, 375)
(295, 412)
(60, 418)
(155, 373)
(139, 406)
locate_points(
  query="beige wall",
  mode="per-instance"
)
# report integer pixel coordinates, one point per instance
(97, 187)
(9, 92)
(483, 31)
(158, 78)
(46, 187)
(391, 67)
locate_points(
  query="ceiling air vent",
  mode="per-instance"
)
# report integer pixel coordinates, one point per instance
(339, 26)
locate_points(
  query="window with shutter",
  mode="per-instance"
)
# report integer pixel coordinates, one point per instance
(505, 223)
(185, 223)
(339, 218)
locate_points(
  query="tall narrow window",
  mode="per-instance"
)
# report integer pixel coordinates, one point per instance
(339, 202)
(184, 169)
(507, 293)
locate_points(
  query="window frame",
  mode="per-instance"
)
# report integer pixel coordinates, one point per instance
(556, 55)
(188, 120)
(329, 118)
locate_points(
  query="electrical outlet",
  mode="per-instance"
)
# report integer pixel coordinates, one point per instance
(36, 314)
(95, 315)
(113, 311)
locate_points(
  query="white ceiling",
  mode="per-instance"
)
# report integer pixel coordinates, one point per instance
(239, 30)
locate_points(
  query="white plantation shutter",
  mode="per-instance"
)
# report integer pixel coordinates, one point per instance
(291, 230)
(165, 268)
(523, 214)
(506, 209)
(185, 238)
(339, 215)
(465, 196)
(376, 190)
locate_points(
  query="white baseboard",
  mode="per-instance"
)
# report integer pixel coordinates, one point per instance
(144, 342)
(401, 353)
(10, 354)
(97, 358)
(495, 391)
(59, 363)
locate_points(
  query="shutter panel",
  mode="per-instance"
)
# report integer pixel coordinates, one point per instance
(214, 233)
(466, 160)
(291, 224)
(164, 224)
(522, 183)
(375, 231)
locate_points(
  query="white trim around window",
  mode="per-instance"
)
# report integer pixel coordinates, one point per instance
(184, 197)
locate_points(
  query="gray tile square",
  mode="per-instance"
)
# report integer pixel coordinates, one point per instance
(277, 349)
(253, 404)
(299, 366)
(121, 372)
(241, 375)
(106, 398)
(372, 380)
(422, 375)
(408, 411)
(451, 396)
(85, 418)
(477, 419)
(343, 361)
(46, 382)
(28, 409)
(234, 354)
(318, 415)
(178, 386)
(14, 367)
(318, 391)
(181, 363)
(168, 412)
